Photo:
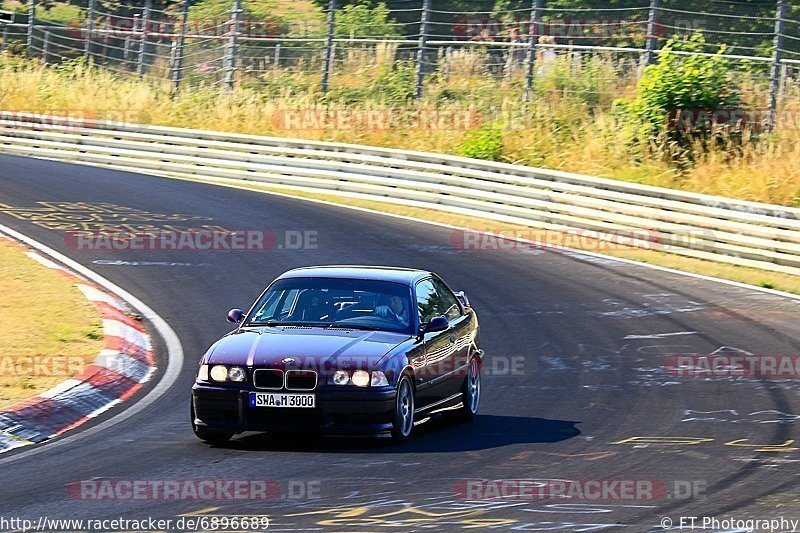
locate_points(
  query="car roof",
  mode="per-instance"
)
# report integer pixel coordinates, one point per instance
(396, 274)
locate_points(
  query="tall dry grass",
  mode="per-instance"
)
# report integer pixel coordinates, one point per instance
(568, 125)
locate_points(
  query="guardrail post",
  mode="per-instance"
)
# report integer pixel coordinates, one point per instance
(533, 39)
(5, 39)
(448, 56)
(652, 21)
(126, 48)
(130, 40)
(145, 22)
(326, 69)
(178, 48)
(276, 60)
(230, 49)
(104, 47)
(31, 22)
(87, 43)
(45, 47)
(777, 59)
(423, 44)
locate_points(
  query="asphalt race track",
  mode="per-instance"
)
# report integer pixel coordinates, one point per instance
(575, 387)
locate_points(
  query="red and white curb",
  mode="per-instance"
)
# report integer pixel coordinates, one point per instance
(125, 363)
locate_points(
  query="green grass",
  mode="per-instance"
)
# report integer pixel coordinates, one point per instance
(43, 316)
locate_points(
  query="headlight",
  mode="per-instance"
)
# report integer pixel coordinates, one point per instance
(340, 377)
(203, 374)
(236, 373)
(219, 373)
(378, 379)
(224, 373)
(360, 378)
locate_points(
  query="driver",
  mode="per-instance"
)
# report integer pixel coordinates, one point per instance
(396, 310)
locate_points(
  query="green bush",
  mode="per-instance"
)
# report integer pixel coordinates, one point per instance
(680, 82)
(397, 84)
(361, 20)
(484, 143)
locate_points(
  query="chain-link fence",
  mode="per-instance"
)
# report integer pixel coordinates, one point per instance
(194, 43)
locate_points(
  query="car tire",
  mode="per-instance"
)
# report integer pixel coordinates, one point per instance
(211, 436)
(471, 391)
(403, 421)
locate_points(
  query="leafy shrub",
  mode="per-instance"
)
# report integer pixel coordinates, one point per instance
(680, 82)
(484, 143)
(397, 83)
(361, 20)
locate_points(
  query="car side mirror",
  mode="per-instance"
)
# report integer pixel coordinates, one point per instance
(235, 316)
(462, 297)
(437, 323)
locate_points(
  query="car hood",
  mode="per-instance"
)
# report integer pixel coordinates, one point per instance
(303, 348)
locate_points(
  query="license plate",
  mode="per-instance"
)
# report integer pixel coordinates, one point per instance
(268, 399)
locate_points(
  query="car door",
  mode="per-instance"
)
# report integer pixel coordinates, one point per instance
(438, 346)
(460, 338)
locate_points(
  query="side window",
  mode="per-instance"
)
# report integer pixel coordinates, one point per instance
(429, 304)
(450, 307)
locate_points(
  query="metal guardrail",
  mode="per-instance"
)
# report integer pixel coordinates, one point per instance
(720, 229)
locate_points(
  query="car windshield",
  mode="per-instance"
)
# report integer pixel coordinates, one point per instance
(335, 303)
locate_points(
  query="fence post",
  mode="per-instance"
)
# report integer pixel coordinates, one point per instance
(131, 39)
(31, 21)
(178, 48)
(46, 47)
(5, 39)
(276, 60)
(87, 43)
(533, 39)
(652, 21)
(230, 50)
(777, 59)
(423, 43)
(145, 22)
(326, 72)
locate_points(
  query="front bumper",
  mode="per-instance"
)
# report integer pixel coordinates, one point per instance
(337, 412)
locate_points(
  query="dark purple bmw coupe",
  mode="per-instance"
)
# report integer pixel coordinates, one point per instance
(341, 350)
